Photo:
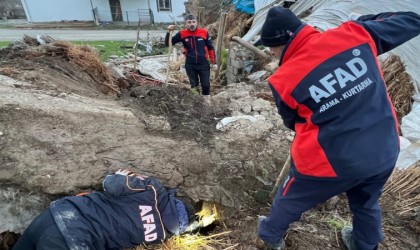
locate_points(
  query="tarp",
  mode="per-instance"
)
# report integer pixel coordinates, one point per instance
(227, 120)
(153, 65)
(261, 9)
(410, 128)
(246, 6)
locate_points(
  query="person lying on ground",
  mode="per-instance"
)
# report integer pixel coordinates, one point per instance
(132, 210)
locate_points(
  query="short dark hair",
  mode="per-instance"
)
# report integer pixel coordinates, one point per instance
(189, 207)
(190, 17)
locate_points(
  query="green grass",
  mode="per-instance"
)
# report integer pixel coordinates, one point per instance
(334, 221)
(119, 48)
(4, 44)
(108, 48)
(132, 26)
(225, 55)
(104, 48)
(5, 25)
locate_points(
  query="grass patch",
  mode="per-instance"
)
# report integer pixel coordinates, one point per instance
(104, 48)
(334, 221)
(108, 48)
(5, 25)
(336, 224)
(132, 26)
(120, 48)
(4, 44)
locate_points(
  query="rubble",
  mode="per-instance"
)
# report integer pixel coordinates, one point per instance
(88, 119)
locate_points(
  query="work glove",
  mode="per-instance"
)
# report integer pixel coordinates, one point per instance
(354, 16)
(125, 172)
(171, 27)
(214, 67)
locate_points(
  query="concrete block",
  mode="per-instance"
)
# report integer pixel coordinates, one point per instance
(230, 68)
(238, 72)
(231, 54)
(231, 78)
(230, 75)
(237, 63)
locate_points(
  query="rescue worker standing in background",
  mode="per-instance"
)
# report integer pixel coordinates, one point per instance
(329, 89)
(198, 47)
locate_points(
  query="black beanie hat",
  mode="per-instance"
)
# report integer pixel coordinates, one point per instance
(279, 25)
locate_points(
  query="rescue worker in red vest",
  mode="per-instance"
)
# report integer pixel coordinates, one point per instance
(132, 210)
(330, 90)
(198, 49)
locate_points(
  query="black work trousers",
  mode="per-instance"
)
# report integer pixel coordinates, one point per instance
(42, 234)
(199, 74)
(298, 195)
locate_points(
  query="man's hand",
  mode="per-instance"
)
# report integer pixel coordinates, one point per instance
(171, 27)
(214, 67)
(354, 16)
(125, 172)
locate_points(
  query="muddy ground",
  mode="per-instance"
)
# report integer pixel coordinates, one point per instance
(62, 130)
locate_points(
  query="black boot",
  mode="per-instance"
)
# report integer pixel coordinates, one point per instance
(271, 246)
(348, 238)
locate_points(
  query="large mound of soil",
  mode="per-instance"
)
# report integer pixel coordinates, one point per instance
(62, 129)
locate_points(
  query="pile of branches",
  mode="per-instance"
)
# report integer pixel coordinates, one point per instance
(191, 240)
(238, 24)
(87, 58)
(194, 242)
(84, 56)
(404, 186)
(400, 85)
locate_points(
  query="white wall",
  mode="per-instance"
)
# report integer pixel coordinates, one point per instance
(57, 10)
(178, 8)
(130, 10)
(81, 10)
(104, 10)
(130, 7)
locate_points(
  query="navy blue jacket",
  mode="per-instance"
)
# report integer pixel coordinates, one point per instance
(198, 46)
(329, 89)
(130, 212)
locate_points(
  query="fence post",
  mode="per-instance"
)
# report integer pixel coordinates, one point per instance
(152, 18)
(219, 43)
(136, 47)
(201, 16)
(128, 20)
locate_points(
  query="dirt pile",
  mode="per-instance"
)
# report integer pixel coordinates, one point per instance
(65, 123)
(28, 59)
(60, 132)
(8, 239)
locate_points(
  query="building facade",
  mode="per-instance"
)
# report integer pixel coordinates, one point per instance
(130, 11)
(11, 9)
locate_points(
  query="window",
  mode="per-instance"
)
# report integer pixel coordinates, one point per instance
(164, 5)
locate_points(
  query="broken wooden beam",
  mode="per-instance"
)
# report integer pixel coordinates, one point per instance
(251, 47)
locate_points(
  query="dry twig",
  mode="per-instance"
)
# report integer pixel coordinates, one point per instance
(88, 59)
(404, 185)
(400, 85)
